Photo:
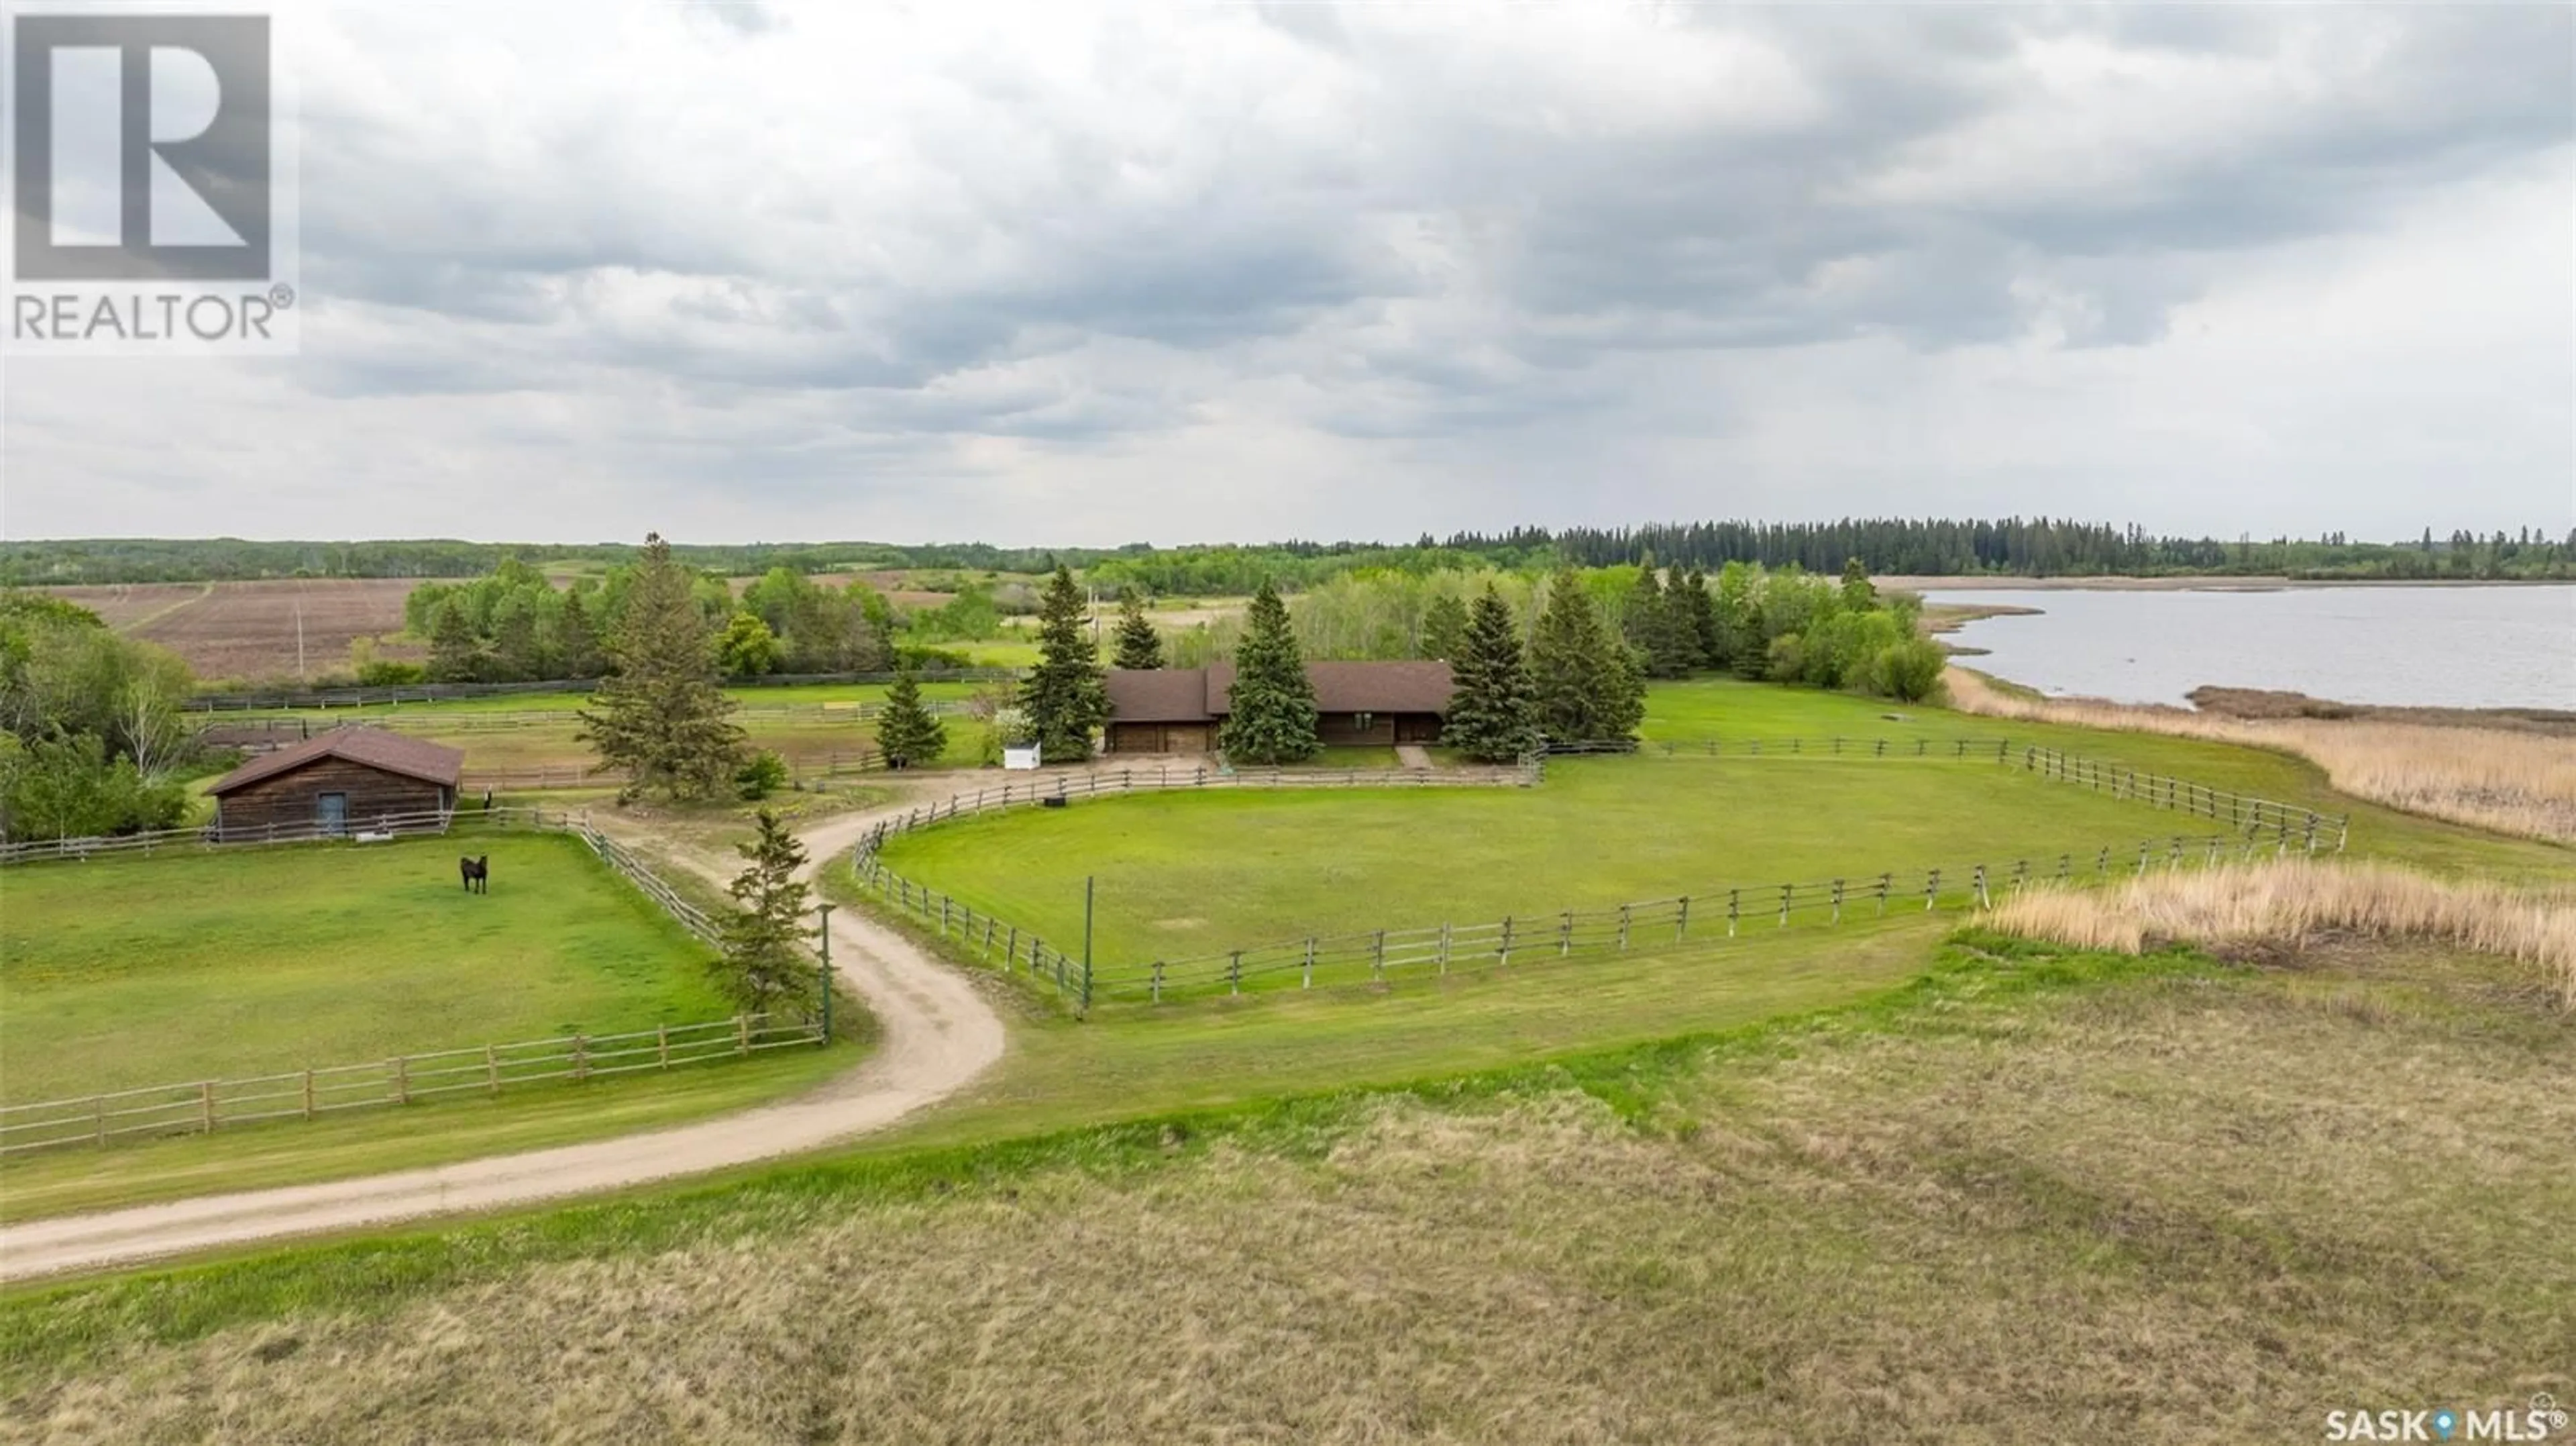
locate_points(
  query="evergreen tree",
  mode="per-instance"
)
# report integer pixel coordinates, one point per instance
(1493, 712)
(576, 641)
(1699, 605)
(1587, 684)
(1270, 715)
(515, 655)
(1859, 593)
(1139, 645)
(1661, 630)
(455, 654)
(907, 733)
(1645, 611)
(1444, 628)
(661, 717)
(763, 964)
(1063, 696)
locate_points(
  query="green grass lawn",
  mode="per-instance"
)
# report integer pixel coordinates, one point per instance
(1183, 874)
(127, 972)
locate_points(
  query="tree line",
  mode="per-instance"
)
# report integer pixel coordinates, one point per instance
(91, 739)
(2008, 546)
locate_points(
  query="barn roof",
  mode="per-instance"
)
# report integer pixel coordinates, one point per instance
(1198, 695)
(377, 748)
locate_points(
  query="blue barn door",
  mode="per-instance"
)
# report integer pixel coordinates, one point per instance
(331, 813)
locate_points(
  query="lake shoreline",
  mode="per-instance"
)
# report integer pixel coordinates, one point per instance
(2196, 582)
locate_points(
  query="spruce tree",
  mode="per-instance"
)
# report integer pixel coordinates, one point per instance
(1645, 613)
(1859, 593)
(907, 733)
(1139, 645)
(661, 717)
(1444, 628)
(1493, 710)
(764, 963)
(515, 655)
(1270, 710)
(1587, 684)
(576, 641)
(455, 654)
(1063, 696)
(1699, 608)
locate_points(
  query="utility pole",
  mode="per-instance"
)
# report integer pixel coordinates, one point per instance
(823, 928)
(300, 675)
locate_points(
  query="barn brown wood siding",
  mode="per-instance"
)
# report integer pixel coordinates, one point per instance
(1339, 729)
(287, 800)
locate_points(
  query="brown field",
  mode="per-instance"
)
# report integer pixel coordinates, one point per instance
(2292, 903)
(246, 631)
(2171, 1209)
(2511, 782)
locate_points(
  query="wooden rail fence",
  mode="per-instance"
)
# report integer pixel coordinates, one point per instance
(1375, 956)
(203, 1106)
(448, 692)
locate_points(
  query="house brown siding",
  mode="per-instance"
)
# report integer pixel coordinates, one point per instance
(291, 800)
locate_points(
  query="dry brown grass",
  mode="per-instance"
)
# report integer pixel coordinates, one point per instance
(2290, 902)
(2175, 1210)
(2517, 783)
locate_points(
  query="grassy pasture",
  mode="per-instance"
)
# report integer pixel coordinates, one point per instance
(1185, 873)
(125, 972)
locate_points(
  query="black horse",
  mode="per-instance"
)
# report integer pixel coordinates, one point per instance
(477, 873)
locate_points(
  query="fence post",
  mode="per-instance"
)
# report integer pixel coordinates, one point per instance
(1506, 951)
(206, 1101)
(492, 1069)
(1377, 957)
(1931, 889)
(662, 1044)
(1983, 902)
(1681, 921)
(2021, 874)
(1565, 934)
(1838, 901)
(1158, 981)
(943, 916)
(1234, 972)
(1011, 955)
(2143, 846)
(1883, 881)
(1733, 899)
(402, 1080)
(98, 1118)
(1444, 946)
(1785, 891)
(308, 1094)
(742, 1034)
(1307, 976)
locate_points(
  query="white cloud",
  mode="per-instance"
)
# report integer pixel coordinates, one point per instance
(1064, 273)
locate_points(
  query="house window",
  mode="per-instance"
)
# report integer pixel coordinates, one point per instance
(331, 812)
(1362, 722)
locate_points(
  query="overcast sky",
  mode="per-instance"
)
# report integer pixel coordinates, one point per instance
(573, 270)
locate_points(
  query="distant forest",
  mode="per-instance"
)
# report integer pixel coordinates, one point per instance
(2012, 546)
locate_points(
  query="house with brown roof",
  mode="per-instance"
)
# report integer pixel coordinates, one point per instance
(348, 779)
(1177, 710)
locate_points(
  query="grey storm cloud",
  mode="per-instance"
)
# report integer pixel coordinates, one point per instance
(970, 242)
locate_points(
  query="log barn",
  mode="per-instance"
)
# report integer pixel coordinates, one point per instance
(1178, 710)
(348, 779)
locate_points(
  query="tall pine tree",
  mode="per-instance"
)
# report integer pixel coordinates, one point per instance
(455, 654)
(763, 963)
(1139, 645)
(576, 641)
(662, 718)
(1270, 715)
(1063, 696)
(907, 733)
(1587, 684)
(1493, 710)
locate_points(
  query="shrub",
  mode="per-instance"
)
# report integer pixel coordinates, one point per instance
(760, 775)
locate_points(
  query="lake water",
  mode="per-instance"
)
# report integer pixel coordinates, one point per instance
(2453, 647)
